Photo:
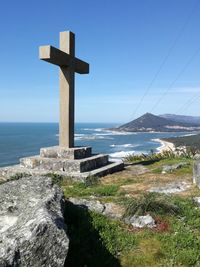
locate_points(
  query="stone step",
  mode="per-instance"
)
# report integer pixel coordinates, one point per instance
(110, 168)
(66, 153)
(6, 173)
(55, 164)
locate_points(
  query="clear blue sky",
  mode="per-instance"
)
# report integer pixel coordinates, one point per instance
(125, 42)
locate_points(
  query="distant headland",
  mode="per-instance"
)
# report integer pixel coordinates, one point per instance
(163, 123)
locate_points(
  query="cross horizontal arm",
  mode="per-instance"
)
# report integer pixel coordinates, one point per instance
(55, 56)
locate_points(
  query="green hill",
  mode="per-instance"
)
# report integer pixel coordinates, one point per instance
(152, 123)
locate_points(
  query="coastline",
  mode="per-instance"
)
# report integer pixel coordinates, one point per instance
(165, 146)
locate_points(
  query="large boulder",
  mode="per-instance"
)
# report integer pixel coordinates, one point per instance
(32, 228)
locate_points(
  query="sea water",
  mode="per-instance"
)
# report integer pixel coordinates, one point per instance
(19, 140)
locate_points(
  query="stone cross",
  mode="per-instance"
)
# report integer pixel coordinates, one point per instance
(69, 64)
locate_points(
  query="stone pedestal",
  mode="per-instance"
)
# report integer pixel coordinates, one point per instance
(78, 163)
(196, 173)
(66, 153)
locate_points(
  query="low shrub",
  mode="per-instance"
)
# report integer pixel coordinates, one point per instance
(152, 202)
(18, 176)
(179, 153)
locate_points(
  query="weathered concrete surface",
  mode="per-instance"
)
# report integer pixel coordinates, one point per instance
(32, 229)
(66, 153)
(69, 64)
(51, 164)
(6, 173)
(196, 173)
(55, 160)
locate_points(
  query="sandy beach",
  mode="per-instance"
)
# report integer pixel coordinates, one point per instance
(164, 145)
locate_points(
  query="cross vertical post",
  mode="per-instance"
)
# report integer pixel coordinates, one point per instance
(66, 129)
(69, 64)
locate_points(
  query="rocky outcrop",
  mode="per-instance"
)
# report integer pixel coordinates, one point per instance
(171, 188)
(110, 210)
(141, 221)
(171, 168)
(32, 228)
(197, 200)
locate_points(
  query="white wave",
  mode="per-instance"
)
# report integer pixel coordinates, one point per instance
(120, 133)
(92, 137)
(87, 129)
(123, 145)
(99, 130)
(113, 145)
(128, 145)
(121, 154)
(189, 134)
(108, 132)
(102, 134)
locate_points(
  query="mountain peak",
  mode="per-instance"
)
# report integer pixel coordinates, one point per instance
(152, 123)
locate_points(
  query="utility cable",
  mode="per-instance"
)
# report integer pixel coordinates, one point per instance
(166, 57)
(187, 104)
(174, 81)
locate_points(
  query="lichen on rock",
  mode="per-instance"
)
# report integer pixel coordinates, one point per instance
(32, 228)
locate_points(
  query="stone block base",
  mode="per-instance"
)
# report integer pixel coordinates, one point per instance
(196, 173)
(66, 153)
(60, 164)
(7, 173)
(77, 163)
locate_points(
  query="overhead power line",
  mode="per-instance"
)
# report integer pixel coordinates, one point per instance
(188, 103)
(176, 78)
(166, 57)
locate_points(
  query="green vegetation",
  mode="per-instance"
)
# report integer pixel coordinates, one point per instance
(96, 240)
(151, 203)
(18, 176)
(165, 155)
(56, 178)
(192, 142)
(82, 190)
(99, 241)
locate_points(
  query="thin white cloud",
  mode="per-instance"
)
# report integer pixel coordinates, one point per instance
(186, 90)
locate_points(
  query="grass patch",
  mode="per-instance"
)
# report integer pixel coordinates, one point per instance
(99, 241)
(94, 239)
(157, 167)
(148, 252)
(177, 247)
(82, 190)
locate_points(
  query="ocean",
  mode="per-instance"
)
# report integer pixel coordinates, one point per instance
(19, 140)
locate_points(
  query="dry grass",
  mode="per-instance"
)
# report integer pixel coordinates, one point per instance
(135, 183)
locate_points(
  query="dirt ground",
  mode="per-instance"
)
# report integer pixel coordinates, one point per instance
(136, 179)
